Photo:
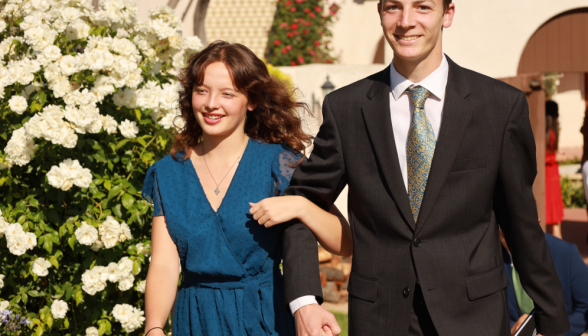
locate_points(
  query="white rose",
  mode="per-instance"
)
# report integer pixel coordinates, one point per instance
(126, 232)
(98, 244)
(122, 312)
(114, 273)
(70, 14)
(57, 179)
(59, 25)
(17, 244)
(18, 104)
(193, 43)
(69, 65)
(126, 283)
(132, 80)
(61, 88)
(110, 231)
(92, 281)
(125, 265)
(128, 128)
(52, 52)
(2, 285)
(86, 234)
(4, 304)
(144, 249)
(110, 124)
(141, 286)
(31, 240)
(41, 267)
(161, 28)
(77, 30)
(58, 309)
(2, 25)
(3, 226)
(135, 321)
(92, 331)
(19, 148)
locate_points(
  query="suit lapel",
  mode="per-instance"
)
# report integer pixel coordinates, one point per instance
(456, 116)
(376, 114)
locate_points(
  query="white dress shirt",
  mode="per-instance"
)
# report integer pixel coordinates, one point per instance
(401, 109)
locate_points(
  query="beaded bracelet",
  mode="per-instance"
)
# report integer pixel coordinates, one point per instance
(148, 331)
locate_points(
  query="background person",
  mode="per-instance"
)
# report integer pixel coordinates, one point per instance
(573, 275)
(554, 206)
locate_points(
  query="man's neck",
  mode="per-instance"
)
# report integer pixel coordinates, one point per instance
(417, 70)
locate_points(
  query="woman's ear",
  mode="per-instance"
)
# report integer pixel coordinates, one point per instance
(251, 107)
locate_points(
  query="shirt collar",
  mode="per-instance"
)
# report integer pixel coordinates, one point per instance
(435, 83)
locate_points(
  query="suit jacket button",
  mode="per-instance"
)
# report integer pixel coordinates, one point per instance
(405, 292)
(417, 242)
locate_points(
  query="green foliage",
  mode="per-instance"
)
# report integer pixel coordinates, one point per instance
(342, 320)
(300, 33)
(572, 192)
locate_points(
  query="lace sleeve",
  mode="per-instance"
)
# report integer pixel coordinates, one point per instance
(150, 191)
(283, 168)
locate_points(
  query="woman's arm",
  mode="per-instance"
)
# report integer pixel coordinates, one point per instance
(330, 228)
(162, 277)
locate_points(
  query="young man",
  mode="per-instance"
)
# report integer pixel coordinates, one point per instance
(434, 156)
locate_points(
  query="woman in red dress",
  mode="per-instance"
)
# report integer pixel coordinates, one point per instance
(554, 206)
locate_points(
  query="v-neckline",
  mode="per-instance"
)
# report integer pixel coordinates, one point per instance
(230, 184)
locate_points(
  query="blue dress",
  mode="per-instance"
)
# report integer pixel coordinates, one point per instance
(231, 280)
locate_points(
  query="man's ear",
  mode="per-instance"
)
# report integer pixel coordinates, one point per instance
(448, 16)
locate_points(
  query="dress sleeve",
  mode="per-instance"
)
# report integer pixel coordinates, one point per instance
(283, 167)
(150, 191)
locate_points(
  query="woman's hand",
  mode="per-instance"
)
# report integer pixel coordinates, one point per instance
(276, 210)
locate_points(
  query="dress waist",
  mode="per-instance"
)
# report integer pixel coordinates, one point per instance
(252, 319)
(192, 280)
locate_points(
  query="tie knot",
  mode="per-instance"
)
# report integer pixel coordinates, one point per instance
(418, 95)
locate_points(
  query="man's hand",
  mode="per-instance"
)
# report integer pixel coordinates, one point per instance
(314, 320)
(517, 324)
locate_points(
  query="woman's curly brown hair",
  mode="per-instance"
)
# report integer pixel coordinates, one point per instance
(274, 120)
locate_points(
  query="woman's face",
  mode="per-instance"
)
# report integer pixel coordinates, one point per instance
(218, 107)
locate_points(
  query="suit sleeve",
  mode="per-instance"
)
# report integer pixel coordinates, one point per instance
(320, 179)
(515, 209)
(578, 284)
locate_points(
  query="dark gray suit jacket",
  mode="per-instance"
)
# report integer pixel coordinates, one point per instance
(482, 174)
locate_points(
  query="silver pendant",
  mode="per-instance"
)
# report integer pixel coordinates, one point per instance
(217, 191)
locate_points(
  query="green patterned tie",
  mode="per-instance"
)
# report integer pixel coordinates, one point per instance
(524, 301)
(419, 150)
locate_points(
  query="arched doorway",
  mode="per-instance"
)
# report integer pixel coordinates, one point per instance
(559, 45)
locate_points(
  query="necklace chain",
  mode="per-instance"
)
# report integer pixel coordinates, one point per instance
(217, 190)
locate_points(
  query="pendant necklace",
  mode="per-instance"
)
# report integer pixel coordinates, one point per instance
(217, 190)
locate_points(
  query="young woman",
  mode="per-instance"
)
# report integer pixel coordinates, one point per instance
(241, 144)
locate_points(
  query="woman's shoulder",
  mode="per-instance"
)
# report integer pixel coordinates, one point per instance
(168, 163)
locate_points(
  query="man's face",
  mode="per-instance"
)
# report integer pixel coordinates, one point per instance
(413, 27)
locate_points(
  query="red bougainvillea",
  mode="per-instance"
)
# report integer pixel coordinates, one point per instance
(300, 33)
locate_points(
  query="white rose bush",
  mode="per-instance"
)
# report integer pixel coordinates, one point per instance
(88, 101)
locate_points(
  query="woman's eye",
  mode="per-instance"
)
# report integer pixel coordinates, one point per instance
(228, 95)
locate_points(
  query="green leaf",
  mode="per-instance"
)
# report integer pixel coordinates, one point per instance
(114, 191)
(49, 321)
(66, 323)
(107, 184)
(79, 297)
(127, 201)
(69, 293)
(99, 195)
(39, 330)
(34, 202)
(41, 97)
(90, 78)
(117, 211)
(48, 245)
(62, 230)
(54, 262)
(71, 241)
(34, 293)
(101, 327)
(136, 266)
(100, 157)
(21, 205)
(138, 114)
(25, 298)
(121, 143)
